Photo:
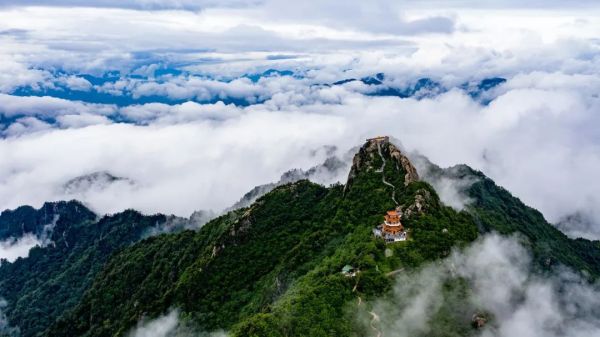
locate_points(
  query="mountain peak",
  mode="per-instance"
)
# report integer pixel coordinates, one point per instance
(378, 152)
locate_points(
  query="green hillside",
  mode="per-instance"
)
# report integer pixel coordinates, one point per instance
(38, 289)
(495, 209)
(274, 268)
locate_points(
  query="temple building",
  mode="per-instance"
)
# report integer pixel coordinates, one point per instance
(391, 230)
(379, 139)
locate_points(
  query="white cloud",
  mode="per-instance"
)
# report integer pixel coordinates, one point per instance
(76, 83)
(169, 325)
(214, 153)
(161, 327)
(499, 272)
(11, 249)
(179, 168)
(134, 4)
(81, 120)
(14, 73)
(48, 106)
(25, 125)
(185, 112)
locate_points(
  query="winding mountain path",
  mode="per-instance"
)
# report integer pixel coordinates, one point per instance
(374, 316)
(394, 272)
(383, 174)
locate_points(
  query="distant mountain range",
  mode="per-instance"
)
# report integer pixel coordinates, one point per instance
(99, 180)
(378, 85)
(425, 87)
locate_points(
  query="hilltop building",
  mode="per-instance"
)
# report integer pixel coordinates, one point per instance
(379, 139)
(391, 230)
(349, 271)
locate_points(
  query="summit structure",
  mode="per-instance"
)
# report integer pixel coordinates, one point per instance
(391, 230)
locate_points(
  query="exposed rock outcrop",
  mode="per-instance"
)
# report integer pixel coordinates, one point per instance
(418, 206)
(368, 159)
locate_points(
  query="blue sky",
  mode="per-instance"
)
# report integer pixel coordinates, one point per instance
(174, 96)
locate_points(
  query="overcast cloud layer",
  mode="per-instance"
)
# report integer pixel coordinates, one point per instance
(172, 97)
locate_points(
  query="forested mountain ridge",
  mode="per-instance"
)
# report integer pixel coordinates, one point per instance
(495, 209)
(274, 268)
(27, 220)
(51, 279)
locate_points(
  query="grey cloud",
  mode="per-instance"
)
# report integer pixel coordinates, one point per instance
(135, 4)
(581, 224)
(509, 3)
(378, 16)
(449, 183)
(15, 32)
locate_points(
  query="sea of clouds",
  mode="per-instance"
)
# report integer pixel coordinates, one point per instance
(192, 131)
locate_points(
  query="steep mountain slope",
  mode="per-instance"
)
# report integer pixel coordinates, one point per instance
(274, 269)
(495, 209)
(27, 220)
(40, 288)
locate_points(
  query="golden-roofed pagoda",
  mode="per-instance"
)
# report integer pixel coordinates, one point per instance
(391, 223)
(391, 230)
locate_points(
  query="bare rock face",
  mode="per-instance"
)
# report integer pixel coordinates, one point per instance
(369, 158)
(418, 206)
(479, 320)
(411, 172)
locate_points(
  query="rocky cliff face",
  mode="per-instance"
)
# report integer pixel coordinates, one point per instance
(376, 153)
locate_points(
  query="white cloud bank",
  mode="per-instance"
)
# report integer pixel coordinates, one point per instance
(169, 325)
(498, 270)
(11, 249)
(539, 143)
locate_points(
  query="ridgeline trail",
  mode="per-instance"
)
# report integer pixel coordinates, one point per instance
(374, 316)
(382, 170)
